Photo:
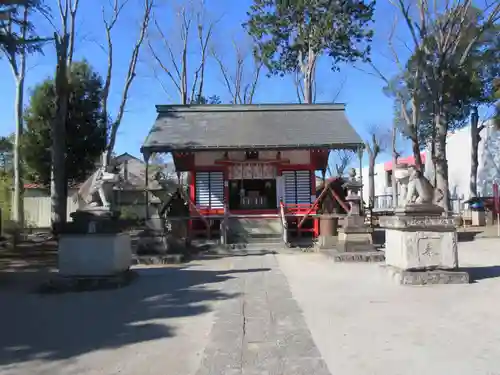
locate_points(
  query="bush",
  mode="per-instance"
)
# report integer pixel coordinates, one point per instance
(127, 213)
(5, 198)
(13, 231)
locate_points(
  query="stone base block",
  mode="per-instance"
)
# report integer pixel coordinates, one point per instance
(327, 242)
(428, 277)
(359, 256)
(421, 249)
(91, 255)
(478, 218)
(351, 242)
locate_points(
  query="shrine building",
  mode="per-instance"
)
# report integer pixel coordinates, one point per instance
(251, 161)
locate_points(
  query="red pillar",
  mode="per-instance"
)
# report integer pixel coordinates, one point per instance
(313, 192)
(192, 196)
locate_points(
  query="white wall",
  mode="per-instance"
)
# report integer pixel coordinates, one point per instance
(458, 151)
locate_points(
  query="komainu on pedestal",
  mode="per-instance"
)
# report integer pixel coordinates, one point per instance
(421, 243)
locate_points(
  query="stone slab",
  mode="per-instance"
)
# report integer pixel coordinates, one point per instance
(355, 241)
(478, 218)
(82, 255)
(430, 277)
(263, 327)
(92, 220)
(326, 242)
(418, 209)
(358, 256)
(407, 222)
(413, 250)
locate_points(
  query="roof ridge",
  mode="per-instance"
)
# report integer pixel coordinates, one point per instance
(250, 107)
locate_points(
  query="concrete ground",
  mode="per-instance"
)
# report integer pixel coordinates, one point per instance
(362, 323)
(158, 325)
(261, 314)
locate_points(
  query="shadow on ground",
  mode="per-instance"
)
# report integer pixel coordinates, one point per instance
(482, 272)
(29, 256)
(52, 327)
(467, 236)
(378, 236)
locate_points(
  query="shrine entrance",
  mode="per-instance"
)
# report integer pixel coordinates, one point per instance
(252, 194)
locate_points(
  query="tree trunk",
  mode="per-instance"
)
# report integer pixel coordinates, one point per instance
(441, 161)
(18, 202)
(475, 138)
(308, 69)
(371, 179)
(416, 153)
(58, 180)
(433, 157)
(19, 75)
(308, 82)
(395, 155)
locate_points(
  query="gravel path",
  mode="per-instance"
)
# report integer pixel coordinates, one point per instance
(363, 323)
(262, 332)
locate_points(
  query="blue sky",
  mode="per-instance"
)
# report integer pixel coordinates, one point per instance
(362, 92)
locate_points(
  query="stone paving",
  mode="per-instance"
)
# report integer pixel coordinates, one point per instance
(262, 331)
(364, 323)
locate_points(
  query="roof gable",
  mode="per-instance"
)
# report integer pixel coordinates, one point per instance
(267, 126)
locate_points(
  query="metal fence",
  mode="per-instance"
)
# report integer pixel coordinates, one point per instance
(384, 202)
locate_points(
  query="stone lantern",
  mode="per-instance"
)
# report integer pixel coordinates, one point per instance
(353, 198)
(356, 237)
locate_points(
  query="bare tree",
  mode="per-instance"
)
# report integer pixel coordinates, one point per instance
(395, 156)
(408, 101)
(375, 144)
(443, 43)
(16, 56)
(475, 133)
(176, 65)
(109, 24)
(240, 82)
(341, 160)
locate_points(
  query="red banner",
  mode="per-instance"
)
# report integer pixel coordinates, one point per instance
(496, 198)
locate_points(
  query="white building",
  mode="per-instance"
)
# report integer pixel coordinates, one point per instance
(458, 151)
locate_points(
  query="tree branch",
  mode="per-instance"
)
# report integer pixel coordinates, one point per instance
(148, 5)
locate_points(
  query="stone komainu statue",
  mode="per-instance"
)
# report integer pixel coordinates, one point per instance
(420, 190)
(97, 190)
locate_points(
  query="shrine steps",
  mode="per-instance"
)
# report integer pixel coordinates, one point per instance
(255, 230)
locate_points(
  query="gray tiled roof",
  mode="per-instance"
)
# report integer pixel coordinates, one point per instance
(272, 126)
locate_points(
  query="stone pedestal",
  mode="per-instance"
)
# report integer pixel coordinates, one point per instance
(93, 220)
(92, 245)
(355, 235)
(152, 240)
(478, 218)
(328, 232)
(94, 255)
(355, 242)
(421, 246)
(355, 239)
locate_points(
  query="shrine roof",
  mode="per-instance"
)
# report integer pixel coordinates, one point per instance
(262, 126)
